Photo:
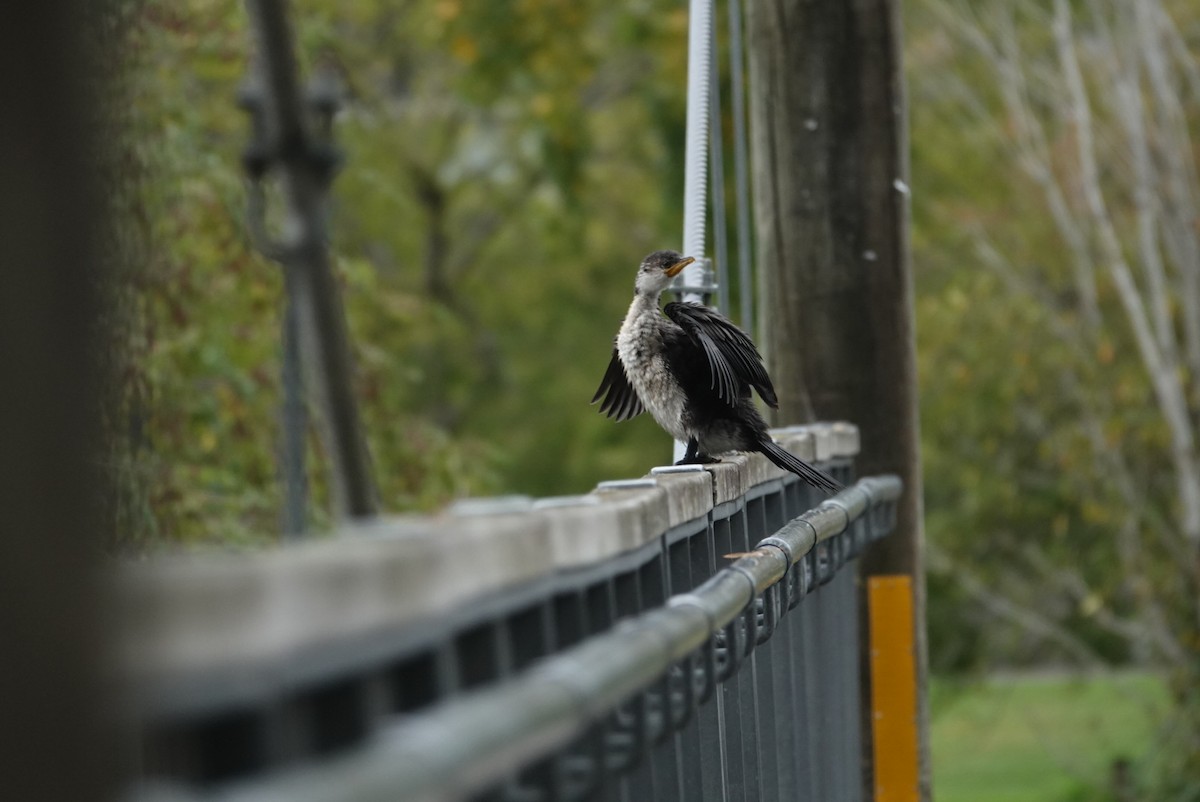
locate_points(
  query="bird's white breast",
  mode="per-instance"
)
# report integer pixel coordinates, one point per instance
(640, 347)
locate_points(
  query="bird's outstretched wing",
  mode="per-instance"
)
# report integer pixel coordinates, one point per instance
(621, 401)
(732, 358)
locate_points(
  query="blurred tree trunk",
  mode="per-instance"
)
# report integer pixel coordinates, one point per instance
(831, 206)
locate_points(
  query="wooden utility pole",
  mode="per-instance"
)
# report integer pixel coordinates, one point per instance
(830, 170)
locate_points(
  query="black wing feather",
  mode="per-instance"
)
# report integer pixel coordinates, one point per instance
(723, 380)
(732, 357)
(621, 401)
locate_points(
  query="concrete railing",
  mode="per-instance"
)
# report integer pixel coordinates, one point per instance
(463, 654)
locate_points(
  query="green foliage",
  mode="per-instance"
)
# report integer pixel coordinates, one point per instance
(1022, 412)
(506, 169)
(200, 389)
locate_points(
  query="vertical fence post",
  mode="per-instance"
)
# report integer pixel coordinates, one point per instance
(306, 165)
(828, 129)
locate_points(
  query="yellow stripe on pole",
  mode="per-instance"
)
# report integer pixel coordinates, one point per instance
(893, 688)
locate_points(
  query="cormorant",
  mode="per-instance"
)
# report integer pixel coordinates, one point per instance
(692, 370)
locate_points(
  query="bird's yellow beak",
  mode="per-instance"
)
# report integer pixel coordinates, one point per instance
(674, 269)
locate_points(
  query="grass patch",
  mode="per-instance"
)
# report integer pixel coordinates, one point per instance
(1040, 738)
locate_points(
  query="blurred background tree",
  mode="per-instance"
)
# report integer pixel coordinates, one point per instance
(1059, 322)
(506, 171)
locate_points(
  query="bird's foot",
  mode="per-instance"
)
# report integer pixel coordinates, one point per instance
(699, 459)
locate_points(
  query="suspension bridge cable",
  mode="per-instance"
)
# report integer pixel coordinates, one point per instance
(717, 167)
(740, 172)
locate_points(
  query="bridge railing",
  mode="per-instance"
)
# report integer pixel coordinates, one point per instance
(690, 635)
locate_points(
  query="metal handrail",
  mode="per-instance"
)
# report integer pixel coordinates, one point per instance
(473, 741)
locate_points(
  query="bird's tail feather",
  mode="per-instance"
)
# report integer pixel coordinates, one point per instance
(790, 462)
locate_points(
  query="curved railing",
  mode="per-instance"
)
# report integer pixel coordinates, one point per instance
(689, 635)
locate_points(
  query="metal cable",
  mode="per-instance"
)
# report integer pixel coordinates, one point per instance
(740, 171)
(716, 151)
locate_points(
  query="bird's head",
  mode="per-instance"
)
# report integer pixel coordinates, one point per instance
(657, 270)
